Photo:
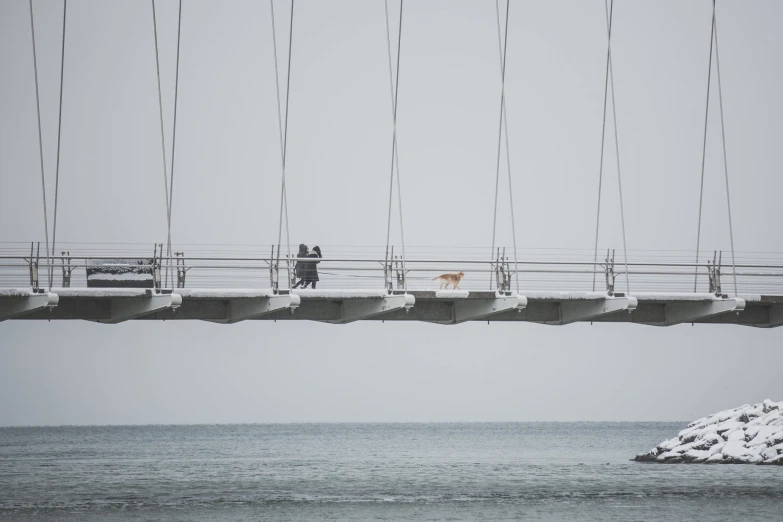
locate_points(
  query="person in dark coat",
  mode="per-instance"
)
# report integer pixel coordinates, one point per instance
(312, 269)
(301, 270)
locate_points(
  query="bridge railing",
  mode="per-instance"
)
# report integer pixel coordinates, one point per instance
(535, 271)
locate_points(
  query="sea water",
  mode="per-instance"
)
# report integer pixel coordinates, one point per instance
(471, 471)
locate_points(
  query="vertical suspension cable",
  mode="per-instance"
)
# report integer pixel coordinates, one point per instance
(402, 231)
(603, 141)
(500, 135)
(394, 85)
(394, 110)
(162, 137)
(504, 116)
(40, 141)
(704, 149)
(174, 138)
(617, 152)
(279, 128)
(725, 162)
(283, 131)
(59, 133)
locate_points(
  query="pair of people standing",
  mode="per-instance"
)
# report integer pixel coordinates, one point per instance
(306, 271)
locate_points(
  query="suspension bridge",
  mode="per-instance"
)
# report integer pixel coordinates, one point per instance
(47, 280)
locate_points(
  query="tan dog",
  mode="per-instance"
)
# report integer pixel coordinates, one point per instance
(450, 279)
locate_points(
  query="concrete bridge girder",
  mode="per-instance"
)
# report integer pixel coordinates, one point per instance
(479, 309)
(691, 311)
(776, 316)
(257, 307)
(18, 306)
(587, 310)
(368, 308)
(127, 308)
(344, 306)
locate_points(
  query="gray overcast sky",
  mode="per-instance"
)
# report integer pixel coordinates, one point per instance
(228, 182)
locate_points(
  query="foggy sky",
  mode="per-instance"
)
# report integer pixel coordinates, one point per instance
(228, 187)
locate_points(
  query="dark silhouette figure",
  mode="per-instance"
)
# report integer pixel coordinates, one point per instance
(312, 269)
(301, 267)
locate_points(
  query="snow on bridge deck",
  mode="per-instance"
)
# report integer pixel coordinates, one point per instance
(344, 306)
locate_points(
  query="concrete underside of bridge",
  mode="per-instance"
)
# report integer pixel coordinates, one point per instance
(230, 306)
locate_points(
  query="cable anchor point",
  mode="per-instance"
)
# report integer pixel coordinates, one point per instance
(609, 273)
(713, 271)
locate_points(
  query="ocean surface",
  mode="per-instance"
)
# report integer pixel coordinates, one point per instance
(473, 471)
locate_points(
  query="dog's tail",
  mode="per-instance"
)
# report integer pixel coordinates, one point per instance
(434, 278)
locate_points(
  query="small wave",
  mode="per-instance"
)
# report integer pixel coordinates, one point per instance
(207, 501)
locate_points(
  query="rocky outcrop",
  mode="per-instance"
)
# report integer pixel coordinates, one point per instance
(744, 435)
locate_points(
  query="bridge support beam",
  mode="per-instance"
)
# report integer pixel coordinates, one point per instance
(127, 308)
(255, 307)
(472, 310)
(691, 311)
(775, 316)
(17, 306)
(573, 311)
(360, 309)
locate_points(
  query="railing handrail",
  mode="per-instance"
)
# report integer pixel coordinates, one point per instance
(380, 261)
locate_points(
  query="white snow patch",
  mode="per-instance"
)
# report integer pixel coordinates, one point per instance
(565, 296)
(697, 455)
(735, 448)
(223, 293)
(736, 434)
(101, 292)
(762, 434)
(778, 460)
(729, 425)
(670, 444)
(716, 457)
(340, 294)
(125, 276)
(451, 294)
(16, 292)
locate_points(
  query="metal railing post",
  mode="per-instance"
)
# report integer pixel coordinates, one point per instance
(156, 267)
(609, 273)
(713, 272)
(181, 269)
(33, 264)
(67, 269)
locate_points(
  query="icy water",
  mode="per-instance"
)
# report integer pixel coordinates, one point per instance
(527, 471)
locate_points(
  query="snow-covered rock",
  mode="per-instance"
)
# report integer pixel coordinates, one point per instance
(749, 434)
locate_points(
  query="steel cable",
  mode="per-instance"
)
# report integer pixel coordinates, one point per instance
(162, 137)
(704, 149)
(500, 133)
(394, 110)
(394, 84)
(502, 54)
(723, 137)
(603, 141)
(59, 133)
(617, 149)
(283, 131)
(174, 139)
(40, 142)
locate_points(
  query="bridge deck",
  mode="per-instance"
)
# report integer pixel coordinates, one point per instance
(344, 306)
